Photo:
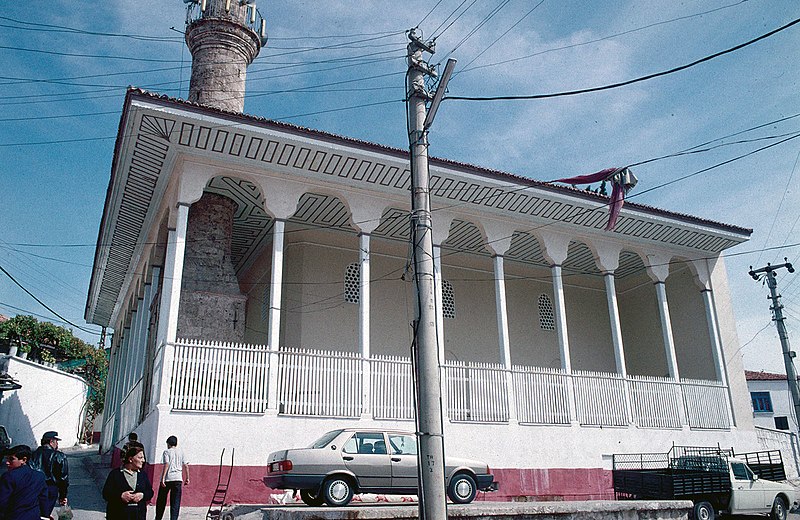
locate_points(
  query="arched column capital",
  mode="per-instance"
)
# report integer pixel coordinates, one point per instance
(498, 235)
(657, 266)
(366, 211)
(702, 268)
(555, 247)
(441, 221)
(606, 255)
(280, 196)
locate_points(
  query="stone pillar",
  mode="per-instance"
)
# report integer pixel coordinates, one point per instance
(363, 326)
(275, 294)
(222, 46)
(563, 340)
(616, 328)
(502, 329)
(212, 306)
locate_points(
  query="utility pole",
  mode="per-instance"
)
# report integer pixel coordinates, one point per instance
(430, 434)
(777, 309)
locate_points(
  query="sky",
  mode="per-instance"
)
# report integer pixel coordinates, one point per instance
(339, 67)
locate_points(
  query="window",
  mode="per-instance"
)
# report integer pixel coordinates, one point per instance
(740, 471)
(352, 284)
(761, 401)
(403, 444)
(365, 443)
(448, 300)
(547, 319)
(782, 423)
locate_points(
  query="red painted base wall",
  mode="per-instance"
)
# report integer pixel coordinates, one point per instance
(246, 486)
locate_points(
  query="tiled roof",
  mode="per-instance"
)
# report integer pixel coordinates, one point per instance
(752, 375)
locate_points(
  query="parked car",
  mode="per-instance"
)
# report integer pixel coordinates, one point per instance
(356, 460)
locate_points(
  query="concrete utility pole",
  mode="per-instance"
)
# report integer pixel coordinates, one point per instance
(430, 434)
(777, 309)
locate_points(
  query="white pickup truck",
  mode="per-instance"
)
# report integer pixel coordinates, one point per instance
(715, 480)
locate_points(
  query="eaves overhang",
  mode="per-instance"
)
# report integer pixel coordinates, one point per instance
(154, 130)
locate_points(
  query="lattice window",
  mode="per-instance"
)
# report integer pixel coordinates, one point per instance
(448, 300)
(352, 283)
(547, 319)
(265, 302)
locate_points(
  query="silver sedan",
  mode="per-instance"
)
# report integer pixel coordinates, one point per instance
(358, 460)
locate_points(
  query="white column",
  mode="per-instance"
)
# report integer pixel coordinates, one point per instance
(437, 290)
(170, 301)
(666, 331)
(275, 294)
(563, 340)
(616, 328)
(131, 347)
(502, 330)
(716, 347)
(149, 290)
(363, 326)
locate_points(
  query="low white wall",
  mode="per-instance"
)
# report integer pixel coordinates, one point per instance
(49, 399)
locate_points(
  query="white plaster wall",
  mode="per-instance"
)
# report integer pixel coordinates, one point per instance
(589, 329)
(641, 331)
(689, 326)
(203, 435)
(391, 300)
(781, 403)
(48, 400)
(530, 344)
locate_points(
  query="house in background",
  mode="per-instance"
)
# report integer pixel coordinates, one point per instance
(774, 416)
(255, 275)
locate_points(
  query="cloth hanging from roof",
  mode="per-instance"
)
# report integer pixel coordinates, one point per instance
(622, 181)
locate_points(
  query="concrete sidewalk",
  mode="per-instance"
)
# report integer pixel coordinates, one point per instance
(87, 474)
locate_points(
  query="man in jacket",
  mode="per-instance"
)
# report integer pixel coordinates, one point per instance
(53, 463)
(23, 492)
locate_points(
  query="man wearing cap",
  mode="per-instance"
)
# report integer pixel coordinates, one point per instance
(53, 463)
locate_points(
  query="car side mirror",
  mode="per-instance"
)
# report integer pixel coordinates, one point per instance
(755, 477)
(333, 446)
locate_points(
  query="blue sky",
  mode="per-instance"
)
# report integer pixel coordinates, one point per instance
(339, 67)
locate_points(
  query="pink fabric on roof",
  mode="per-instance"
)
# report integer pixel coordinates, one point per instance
(617, 178)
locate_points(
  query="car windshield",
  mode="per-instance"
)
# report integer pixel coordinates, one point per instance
(325, 439)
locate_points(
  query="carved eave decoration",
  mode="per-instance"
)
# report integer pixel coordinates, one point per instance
(155, 131)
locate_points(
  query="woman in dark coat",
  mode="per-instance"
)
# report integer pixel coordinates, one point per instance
(127, 489)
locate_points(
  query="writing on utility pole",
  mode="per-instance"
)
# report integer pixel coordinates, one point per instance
(768, 273)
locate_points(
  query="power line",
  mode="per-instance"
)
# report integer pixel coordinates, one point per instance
(630, 81)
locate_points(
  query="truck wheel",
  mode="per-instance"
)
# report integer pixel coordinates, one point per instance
(462, 489)
(337, 491)
(310, 499)
(779, 511)
(704, 511)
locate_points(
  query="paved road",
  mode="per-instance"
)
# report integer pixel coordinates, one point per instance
(87, 502)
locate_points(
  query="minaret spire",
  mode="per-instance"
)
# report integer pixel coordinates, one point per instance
(224, 37)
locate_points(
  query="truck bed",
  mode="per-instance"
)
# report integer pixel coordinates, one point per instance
(668, 483)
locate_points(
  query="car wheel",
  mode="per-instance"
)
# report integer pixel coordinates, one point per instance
(704, 511)
(310, 499)
(462, 489)
(779, 510)
(337, 491)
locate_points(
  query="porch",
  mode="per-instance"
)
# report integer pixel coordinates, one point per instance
(243, 378)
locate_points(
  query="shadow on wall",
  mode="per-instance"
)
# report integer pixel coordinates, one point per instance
(17, 424)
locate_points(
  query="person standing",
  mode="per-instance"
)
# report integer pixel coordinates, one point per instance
(53, 463)
(23, 492)
(172, 479)
(127, 489)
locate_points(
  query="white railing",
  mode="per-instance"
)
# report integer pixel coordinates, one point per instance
(392, 383)
(319, 382)
(706, 404)
(656, 402)
(476, 392)
(600, 398)
(219, 376)
(542, 395)
(228, 377)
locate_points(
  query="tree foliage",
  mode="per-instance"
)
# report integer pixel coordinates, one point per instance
(48, 342)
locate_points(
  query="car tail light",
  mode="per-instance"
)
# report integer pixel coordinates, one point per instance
(283, 465)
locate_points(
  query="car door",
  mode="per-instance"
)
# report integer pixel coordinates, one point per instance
(403, 450)
(748, 493)
(372, 469)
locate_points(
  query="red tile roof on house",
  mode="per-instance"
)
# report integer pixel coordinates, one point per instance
(752, 375)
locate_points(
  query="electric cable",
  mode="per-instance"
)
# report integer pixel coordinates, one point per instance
(630, 81)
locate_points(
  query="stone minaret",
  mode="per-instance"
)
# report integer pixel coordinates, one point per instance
(223, 44)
